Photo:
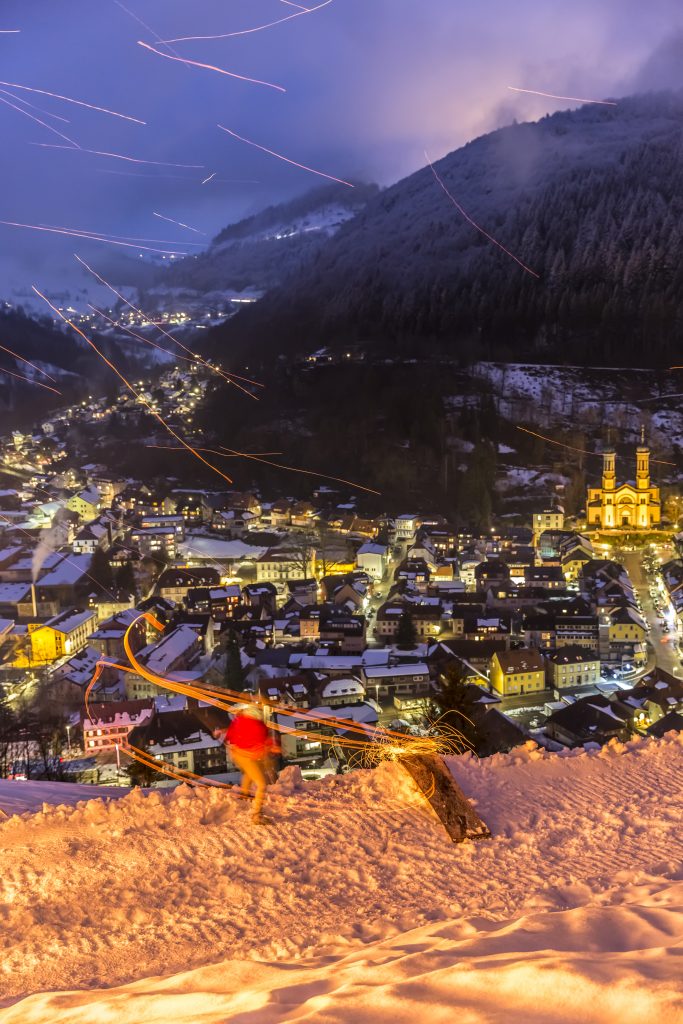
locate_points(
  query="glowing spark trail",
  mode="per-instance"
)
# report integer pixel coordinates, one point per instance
(249, 31)
(179, 223)
(572, 99)
(230, 453)
(228, 378)
(69, 99)
(106, 235)
(140, 398)
(146, 27)
(210, 178)
(26, 103)
(120, 156)
(28, 363)
(9, 31)
(474, 224)
(61, 135)
(286, 159)
(210, 67)
(38, 383)
(89, 237)
(300, 6)
(581, 451)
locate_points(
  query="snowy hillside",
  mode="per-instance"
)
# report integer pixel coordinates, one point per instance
(588, 200)
(354, 906)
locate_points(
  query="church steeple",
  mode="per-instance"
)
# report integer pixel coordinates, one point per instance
(609, 475)
(642, 463)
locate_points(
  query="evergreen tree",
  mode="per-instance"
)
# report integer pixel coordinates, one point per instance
(100, 570)
(406, 635)
(233, 675)
(453, 705)
(125, 579)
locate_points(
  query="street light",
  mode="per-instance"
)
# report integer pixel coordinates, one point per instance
(68, 738)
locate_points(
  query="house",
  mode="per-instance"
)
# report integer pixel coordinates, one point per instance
(572, 666)
(372, 558)
(493, 573)
(279, 565)
(154, 522)
(517, 672)
(176, 652)
(108, 637)
(342, 692)
(588, 720)
(406, 526)
(548, 519)
(386, 682)
(63, 634)
(156, 540)
(184, 740)
(336, 625)
(85, 504)
(67, 581)
(174, 584)
(109, 725)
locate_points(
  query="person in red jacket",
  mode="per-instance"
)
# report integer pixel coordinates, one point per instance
(250, 745)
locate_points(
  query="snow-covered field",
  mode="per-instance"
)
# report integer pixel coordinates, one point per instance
(354, 905)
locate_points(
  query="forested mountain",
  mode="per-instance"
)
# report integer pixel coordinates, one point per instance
(591, 200)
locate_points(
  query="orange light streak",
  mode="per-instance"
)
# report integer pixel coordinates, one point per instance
(44, 124)
(258, 458)
(121, 156)
(211, 67)
(582, 451)
(140, 398)
(26, 103)
(286, 159)
(38, 383)
(69, 99)
(126, 238)
(28, 363)
(162, 331)
(249, 31)
(306, 472)
(179, 223)
(144, 25)
(90, 237)
(478, 227)
(212, 451)
(552, 96)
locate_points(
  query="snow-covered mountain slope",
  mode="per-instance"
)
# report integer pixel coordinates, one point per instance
(356, 890)
(588, 200)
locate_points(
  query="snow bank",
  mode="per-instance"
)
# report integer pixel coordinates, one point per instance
(354, 906)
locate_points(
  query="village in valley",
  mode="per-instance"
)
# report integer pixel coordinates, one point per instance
(561, 630)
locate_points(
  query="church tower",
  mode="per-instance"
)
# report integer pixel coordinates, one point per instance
(642, 464)
(609, 475)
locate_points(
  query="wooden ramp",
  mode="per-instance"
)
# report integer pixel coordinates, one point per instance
(454, 810)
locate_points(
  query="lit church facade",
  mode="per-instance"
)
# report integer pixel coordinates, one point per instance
(628, 506)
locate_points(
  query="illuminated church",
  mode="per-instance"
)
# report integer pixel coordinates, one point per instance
(632, 506)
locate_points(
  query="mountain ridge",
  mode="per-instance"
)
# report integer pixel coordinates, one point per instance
(590, 199)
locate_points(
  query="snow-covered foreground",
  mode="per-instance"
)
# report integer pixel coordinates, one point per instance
(355, 906)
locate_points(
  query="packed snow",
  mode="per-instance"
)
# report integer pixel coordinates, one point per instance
(355, 906)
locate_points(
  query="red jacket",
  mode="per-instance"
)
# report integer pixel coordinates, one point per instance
(250, 736)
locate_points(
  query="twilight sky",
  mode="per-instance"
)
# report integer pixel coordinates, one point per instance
(370, 85)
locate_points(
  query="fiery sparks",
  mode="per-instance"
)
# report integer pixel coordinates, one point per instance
(179, 223)
(211, 67)
(478, 227)
(44, 124)
(28, 362)
(286, 159)
(70, 99)
(250, 31)
(38, 383)
(90, 237)
(553, 96)
(121, 156)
